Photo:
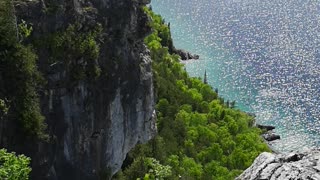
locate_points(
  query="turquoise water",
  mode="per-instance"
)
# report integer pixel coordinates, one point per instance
(263, 54)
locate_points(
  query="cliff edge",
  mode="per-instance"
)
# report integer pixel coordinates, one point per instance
(304, 165)
(97, 99)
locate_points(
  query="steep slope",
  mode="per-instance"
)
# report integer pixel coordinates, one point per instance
(97, 97)
(200, 135)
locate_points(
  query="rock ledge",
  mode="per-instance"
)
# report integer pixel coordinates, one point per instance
(289, 166)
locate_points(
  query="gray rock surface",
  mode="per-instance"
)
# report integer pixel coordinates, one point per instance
(185, 55)
(265, 127)
(270, 136)
(92, 124)
(289, 166)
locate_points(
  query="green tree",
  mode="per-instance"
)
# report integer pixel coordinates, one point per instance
(157, 170)
(191, 169)
(19, 73)
(200, 136)
(13, 167)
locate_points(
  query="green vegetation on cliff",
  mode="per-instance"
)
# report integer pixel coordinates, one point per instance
(77, 49)
(19, 77)
(199, 136)
(14, 167)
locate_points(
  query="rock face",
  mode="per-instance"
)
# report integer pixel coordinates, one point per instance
(92, 124)
(305, 165)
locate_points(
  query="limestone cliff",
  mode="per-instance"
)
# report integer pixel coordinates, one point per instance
(93, 120)
(287, 166)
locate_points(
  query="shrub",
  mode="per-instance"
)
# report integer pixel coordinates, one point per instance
(13, 167)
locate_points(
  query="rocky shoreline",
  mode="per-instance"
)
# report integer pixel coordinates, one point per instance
(282, 166)
(269, 135)
(185, 55)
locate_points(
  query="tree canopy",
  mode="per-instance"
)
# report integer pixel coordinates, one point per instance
(199, 136)
(13, 167)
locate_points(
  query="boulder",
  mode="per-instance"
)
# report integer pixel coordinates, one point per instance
(270, 136)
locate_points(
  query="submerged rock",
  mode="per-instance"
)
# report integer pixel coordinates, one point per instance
(289, 166)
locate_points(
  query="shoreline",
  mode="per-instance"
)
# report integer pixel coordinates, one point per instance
(269, 136)
(271, 147)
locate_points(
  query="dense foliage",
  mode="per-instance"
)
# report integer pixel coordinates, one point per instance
(199, 136)
(19, 77)
(77, 49)
(14, 167)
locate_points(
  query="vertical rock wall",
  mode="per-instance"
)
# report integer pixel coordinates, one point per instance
(92, 123)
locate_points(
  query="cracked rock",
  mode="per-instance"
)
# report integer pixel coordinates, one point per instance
(286, 166)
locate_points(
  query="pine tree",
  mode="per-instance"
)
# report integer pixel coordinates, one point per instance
(205, 77)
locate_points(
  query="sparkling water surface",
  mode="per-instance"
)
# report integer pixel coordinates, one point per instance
(263, 54)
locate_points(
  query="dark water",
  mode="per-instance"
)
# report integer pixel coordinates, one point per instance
(263, 54)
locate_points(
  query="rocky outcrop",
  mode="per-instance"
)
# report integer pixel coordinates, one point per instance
(265, 127)
(290, 166)
(185, 55)
(92, 122)
(269, 135)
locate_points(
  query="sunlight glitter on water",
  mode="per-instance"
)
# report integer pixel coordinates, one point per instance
(263, 54)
